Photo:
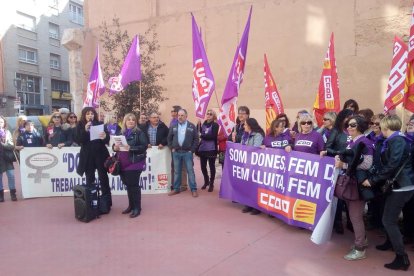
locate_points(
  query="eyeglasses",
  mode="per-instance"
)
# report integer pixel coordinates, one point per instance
(242, 113)
(410, 124)
(326, 119)
(351, 125)
(56, 117)
(372, 124)
(306, 123)
(73, 117)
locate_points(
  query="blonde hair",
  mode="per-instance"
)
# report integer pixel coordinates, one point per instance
(126, 117)
(305, 117)
(391, 122)
(55, 114)
(214, 114)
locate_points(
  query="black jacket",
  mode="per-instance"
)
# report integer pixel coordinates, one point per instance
(336, 143)
(239, 128)
(59, 136)
(162, 133)
(190, 141)
(92, 152)
(138, 144)
(397, 152)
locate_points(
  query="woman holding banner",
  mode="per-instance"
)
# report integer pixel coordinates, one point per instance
(132, 158)
(395, 157)
(308, 140)
(357, 159)
(253, 136)
(93, 154)
(278, 138)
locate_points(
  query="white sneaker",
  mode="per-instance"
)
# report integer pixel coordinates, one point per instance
(354, 255)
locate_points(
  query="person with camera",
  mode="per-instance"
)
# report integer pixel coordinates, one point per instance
(396, 161)
(132, 158)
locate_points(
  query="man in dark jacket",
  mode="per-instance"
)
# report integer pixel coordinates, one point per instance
(183, 141)
(156, 131)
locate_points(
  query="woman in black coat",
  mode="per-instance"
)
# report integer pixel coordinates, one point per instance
(93, 155)
(395, 151)
(132, 158)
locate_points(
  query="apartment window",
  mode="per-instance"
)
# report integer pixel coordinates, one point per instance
(53, 31)
(26, 21)
(61, 86)
(28, 55)
(54, 61)
(28, 88)
(76, 13)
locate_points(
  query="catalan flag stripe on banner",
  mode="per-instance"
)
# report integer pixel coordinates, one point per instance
(409, 95)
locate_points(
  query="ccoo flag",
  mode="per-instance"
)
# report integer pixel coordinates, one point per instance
(327, 98)
(203, 80)
(131, 70)
(227, 117)
(274, 104)
(409, 90)
(96, 85)
(396, 82)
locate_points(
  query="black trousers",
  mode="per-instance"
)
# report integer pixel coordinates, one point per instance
(212, 164)
(408, 219)
(103, 179)
(131, 181)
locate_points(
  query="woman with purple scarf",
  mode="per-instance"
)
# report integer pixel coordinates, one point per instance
(357, 159)
(395, 151)
(111, 124)
(132, 158)
(207, 149)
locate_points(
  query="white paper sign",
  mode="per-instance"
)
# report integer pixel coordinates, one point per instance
(95, 131)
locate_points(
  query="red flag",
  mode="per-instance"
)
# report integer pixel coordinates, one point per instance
(274, 105)
(409, 95)
(396, 82)
(327, 98)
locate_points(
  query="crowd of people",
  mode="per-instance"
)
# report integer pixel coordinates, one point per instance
(373, 148)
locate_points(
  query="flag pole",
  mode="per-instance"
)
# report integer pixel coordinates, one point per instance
(140, 100)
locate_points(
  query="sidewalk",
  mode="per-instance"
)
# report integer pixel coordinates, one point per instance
(178, 235)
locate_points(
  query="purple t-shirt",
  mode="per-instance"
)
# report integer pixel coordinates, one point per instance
(311, 142)
(279, 142)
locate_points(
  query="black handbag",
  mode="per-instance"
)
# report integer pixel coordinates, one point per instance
(366, 193)
(391, 184)
(113, 165)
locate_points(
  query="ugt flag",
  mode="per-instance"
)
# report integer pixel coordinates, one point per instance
(96, 85)
(274, 104)
(409, 90)
(327, 98)
(131, 70)
(203, 80)
(396, 82)
(227, 117)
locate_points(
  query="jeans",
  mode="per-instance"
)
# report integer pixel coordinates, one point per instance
(356, 214)
(392, 209)
(10, 178)
(178, 158)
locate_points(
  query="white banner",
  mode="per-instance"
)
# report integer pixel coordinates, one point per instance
(52, 172)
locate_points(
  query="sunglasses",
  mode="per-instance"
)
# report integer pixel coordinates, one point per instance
(326, 119)
(56, 117)
(372, 123)
(210, 114)
(352, 125)
(73, 117)
(306, 123)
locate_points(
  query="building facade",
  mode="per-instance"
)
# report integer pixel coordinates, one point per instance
(35, 75)
(293, 34)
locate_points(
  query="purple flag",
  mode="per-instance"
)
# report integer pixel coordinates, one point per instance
(227, 117)
(131, 70)
(96, 85)
(203, 80)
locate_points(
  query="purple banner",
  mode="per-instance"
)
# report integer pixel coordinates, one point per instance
(203, 80)
(295, 187)
(96, 85)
